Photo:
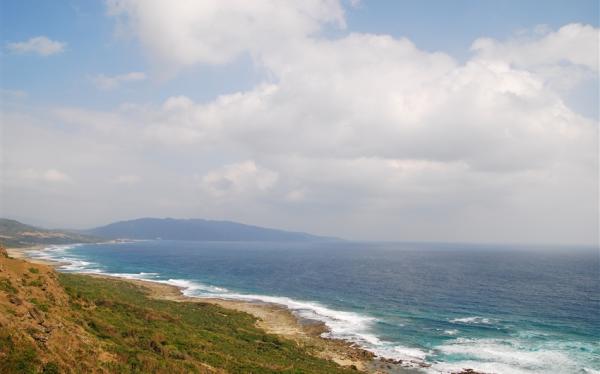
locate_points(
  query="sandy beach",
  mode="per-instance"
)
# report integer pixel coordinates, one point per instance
(22, 253)
(273, 318)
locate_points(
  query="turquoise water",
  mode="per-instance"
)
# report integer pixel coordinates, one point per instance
(500, 309)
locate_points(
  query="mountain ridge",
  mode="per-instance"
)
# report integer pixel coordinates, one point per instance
(196, 229)
(17, 234)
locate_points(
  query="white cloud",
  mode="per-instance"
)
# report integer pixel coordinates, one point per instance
(49, 175)
(127, 179)
(240, 178)
(564, 57)
(40, 45)
(376, 96)
(216, 31)
(295, 195)
(573, 43)
(105, 82)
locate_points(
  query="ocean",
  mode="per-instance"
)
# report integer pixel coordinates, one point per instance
(493, 308)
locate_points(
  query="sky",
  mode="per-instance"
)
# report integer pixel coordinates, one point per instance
(468, 121)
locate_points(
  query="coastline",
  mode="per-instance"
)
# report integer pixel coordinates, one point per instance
(21, 253)
(273, 318)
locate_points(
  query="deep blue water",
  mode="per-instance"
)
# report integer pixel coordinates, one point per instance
(498, 309)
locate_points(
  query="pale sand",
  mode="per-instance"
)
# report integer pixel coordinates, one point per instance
(273, 318)
(22, 254)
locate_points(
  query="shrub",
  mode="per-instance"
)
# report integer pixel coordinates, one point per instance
(6, 286)
(18, 357)
(50, 368)
(39, 282)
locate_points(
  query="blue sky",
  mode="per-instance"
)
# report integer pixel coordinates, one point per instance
(417, 120)
(94, 48)
(452, 26)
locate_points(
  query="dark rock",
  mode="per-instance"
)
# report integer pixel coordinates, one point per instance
(48, 328)
(391, 361)
(156, 347)
(40, 338)
(37, 315)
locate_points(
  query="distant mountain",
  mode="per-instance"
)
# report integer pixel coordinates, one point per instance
(195, 229)
(16, 234)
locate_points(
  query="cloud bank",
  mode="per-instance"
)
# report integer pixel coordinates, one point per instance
(363, 136)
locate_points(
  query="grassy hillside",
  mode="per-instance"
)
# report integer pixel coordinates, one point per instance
(53, 323)
(16, 234)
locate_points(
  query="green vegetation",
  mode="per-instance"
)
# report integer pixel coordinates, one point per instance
(147, 335)
(40, 305)
(20, 357)
(50, 368)
(39, 282)
(7, 286)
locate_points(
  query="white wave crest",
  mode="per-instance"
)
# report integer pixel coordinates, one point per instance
(505, 356)
(140, 276)
(411, 356)
(474, 320)
(192, 288)
(58, 254)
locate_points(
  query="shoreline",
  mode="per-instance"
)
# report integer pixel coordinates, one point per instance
(21, 253)
(273, 318)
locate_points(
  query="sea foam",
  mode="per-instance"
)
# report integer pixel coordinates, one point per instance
(509, 356)
(476, 320)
